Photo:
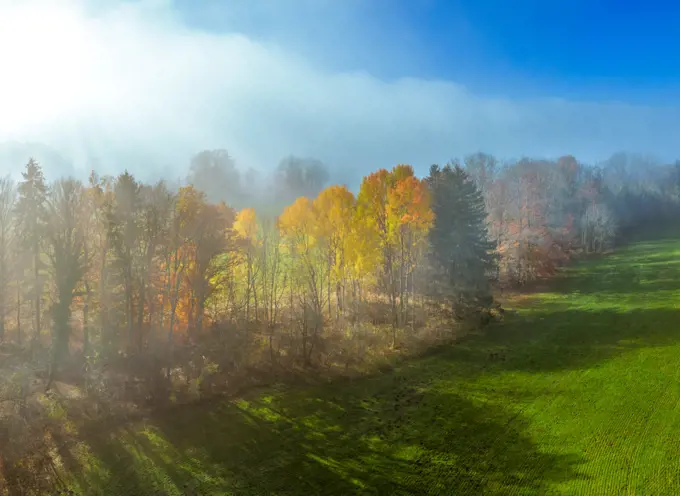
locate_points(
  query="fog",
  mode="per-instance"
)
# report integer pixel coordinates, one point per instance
(135, 85)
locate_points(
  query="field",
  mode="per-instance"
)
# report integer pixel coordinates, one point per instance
(577, 392)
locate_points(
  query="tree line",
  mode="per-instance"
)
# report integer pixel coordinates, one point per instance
(114, 266)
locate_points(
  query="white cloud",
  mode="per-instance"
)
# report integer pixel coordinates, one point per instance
(132, 80)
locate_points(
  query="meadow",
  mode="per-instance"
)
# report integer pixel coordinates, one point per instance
(577, 391)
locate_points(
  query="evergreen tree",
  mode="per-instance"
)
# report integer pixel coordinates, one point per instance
(462, 254)
(30, 215)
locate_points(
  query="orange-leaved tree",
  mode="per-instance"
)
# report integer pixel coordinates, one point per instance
(409, 218)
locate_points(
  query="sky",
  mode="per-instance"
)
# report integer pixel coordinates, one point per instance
(359, 84)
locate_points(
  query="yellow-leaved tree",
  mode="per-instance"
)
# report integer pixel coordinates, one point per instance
(373, 256)
(335, 215)
(302, 236)
(246, 231)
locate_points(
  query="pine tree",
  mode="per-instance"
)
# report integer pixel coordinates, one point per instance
(30, 214)
(462, 254)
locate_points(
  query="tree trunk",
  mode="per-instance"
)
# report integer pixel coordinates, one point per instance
(140, 314)
(200, 310)
(304, 329)
(2, 316)
(86, 320)
(248, 288)
(38, 290)
(338, 302)
(143, 297)
(103, 298)
(290, 311)
(402, 281)
(256, 300)
(174, 300)
(413, 298)
(61, 313)
(328, 284)
(129, 310)
(166, 292)
(19, 313)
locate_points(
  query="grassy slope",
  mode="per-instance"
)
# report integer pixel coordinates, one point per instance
(586, 401)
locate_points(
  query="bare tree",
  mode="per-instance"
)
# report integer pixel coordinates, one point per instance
(598, 228)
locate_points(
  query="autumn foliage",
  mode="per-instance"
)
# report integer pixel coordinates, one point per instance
(117, 267)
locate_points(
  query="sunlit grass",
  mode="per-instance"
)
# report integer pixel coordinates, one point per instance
(577, 393)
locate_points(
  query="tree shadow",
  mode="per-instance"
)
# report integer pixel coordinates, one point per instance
(640, 275)
(593, 312)
(565, 339)
(382, 436)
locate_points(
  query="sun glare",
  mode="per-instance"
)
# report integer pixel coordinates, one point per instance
(43, 55)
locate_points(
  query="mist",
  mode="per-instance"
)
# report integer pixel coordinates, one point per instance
(135, 85)
(332, 246)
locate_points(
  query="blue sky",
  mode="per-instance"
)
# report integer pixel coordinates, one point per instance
(585, 49)
(359, 84)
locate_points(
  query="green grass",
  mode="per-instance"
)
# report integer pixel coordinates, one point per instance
(583, 398)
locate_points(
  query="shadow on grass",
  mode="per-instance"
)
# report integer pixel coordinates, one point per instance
(596, 311)
(643, 275)
(633, 270)
(564, 339)
(381, 436)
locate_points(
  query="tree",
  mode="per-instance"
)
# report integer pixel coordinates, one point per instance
(101, 201)
(335, 210)
(296, 177)
(459, 240)
(30, 212)
(482, 169)
(409, 218)
(214, 172)
(376, 254)
(7, 233)
(299, 226)
(393, 208)
(184, 230)
(156, 205)
(598, 228)
(65, 248)
(273, 279)
(211, 237)
(125, 234)
(528, 243)
(246, 231)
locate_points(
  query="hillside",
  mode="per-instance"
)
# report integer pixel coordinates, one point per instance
(575, 393)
